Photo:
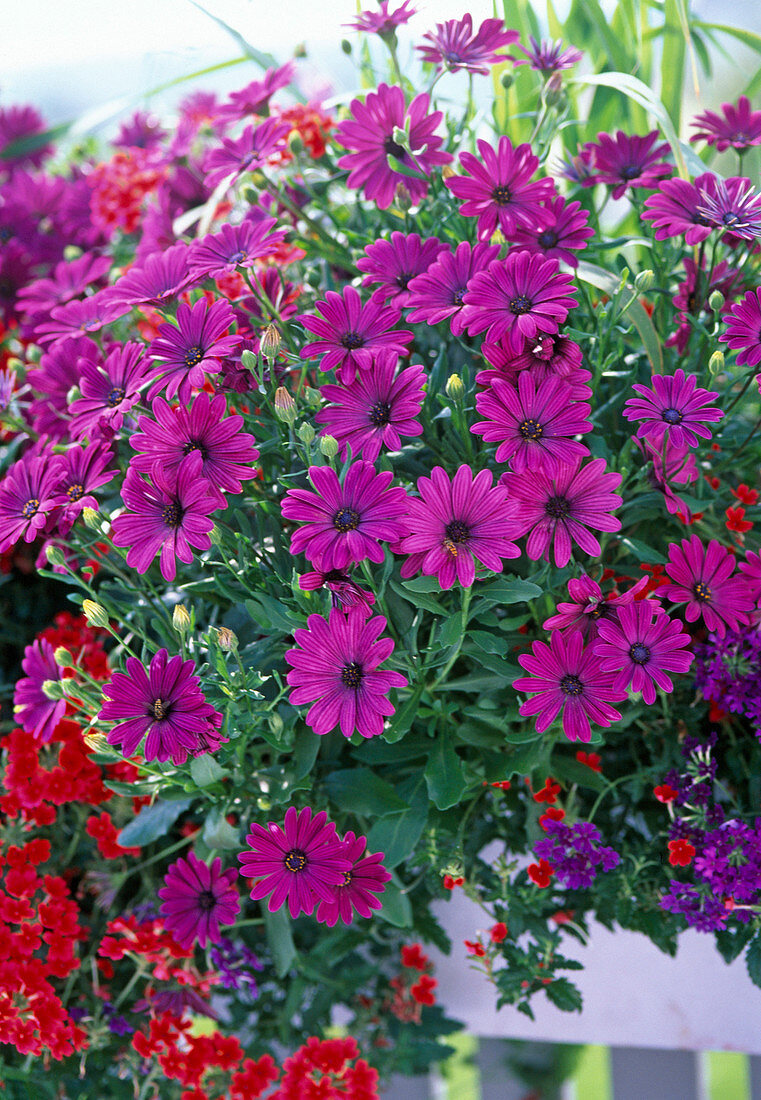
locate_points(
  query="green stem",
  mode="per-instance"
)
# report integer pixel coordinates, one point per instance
(467, 594)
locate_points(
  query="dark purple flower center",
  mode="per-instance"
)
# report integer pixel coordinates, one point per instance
(195, 445)
(672, 416)
(295, 860)
(558, 507)
(5, 234)
(380, 414)
(115, 396)
(457, 532)
(75, 492)
(701, 592)
(458, 296)
(740, 135)
(730, 218)
(172, 514)
(238, 257)
(351, 675)
(394, 148)
(452, 57)
(30, 508)
(501, 195)
(530, 429)
(639, 653)
(521, 304)
(206, 900)
(571, 685)
(160, 710)
(347, 878)
(403, 279)
(193, 355)
(352, 341)
(548, 239)
(630, 171)
(346, 520)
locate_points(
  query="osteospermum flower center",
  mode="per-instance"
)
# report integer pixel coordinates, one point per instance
(159, 709)
(193, 355)
(394, 148)
(458, 296)
(730, 218)
(520, 304)
(530, 429)
(548, 239)
(571, 685)
(352, 341)
(172, 514)
(701, 591)
(346, 520)
(351, 675)
(206, 900)
(672, 416)
(75, 492)
(295, 860)
(639, 653)
(347, 878)
(194, 445)
(30, 508)
(238, 257)
(630, 171)
(457, 531)
(501, 195)
(403, 279)
(380, 414)
(115, 396)
(558, 507)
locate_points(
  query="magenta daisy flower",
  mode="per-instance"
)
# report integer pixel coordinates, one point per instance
(335, 668)
(549, 357)
(518, 299)
(79, 318)
(737, 127)
(370, 133)
(438, 294)
(743, 333)
(679, 468)
(194, 345)
(84, 469)
(27, 497)
(250, 151)
(569, 680)
(558, 510)
(255, 97)
(392, 264)
(588, 606)
(733, 205)
(345, 523)
(168, 516)
(58, 371)
(70, 279)
(300, 863)
(234, 246)
(702, 578)
(674, 407)
(642, 645)
(109, 390)
(456, 523)
(674, 209)
(227, 453)
(164, 704)
(627, 161)
(382, 21)
(32, 709)
(351, 334)
(358, 892)
(751, 573)
(498, 189)
(549, 57)
(197, 899)
(534, 425)
(568, 232)
(161, 277)
(454, 46)
(376, 409)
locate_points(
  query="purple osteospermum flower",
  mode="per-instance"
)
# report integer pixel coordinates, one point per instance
(351, 334)
(173, 434)
(568, 679)
(454, 46)
(58, 371)
(246, 153)
(197, 898)
(27, 496)
(673, 407)
(702, 578)
(392, 264)
(171, 516)
(548, 56)
(83, 470)
(376, 409)
(234, 246)
(438, 294)
(300, 863)
(70, 279)
(141, 130)
(568, 230)
(674, 209)
(160, 278)
(743, 331)
(557, 510)
(382, 22)
(518, 298)
(194, 345)
(336, 669)
(344, 592)
(109, 390)
(370, 133)
(739, 128)
(498, 188)
(346, 522)
(254, 98)
(366, 879)
(575, 853)
(643, 645)
(36, 713)
(165, 703)
(630, 161)
(533, 425)
(751, 572)
(455, 523)
(79, 318)
(733, 205)
(588, 607)
(16, 123)
(548, 357)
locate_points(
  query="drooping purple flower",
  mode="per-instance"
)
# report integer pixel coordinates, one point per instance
(627, 161)
(381, 21)
(335, 668)
(702, 578)
(588, 606)
(197, 898)
(569, 681)
(455, 523)
(358, 892)
(438, 294)
(674, 407)
(548, 357)
(575, 853)
(255, 97)
(566, 234)
(234, 246)
(549, 57)
(674, 209)
(299, 863)
(169, 515)
(680, 468)
(370, 134)
(109, 390)
(350, 334)
(737, 127)
(27, 497)
(375, 410)
(751, 571)
(345, 523)
(250, 151)
(556, 511)
(498, 189)
(643, 644)
(160, 278)
(518, 299)
(32, 709)
(83, 470)
(733, 205)
(165, 703)
(392, 264)
(533, 425)
(454, 46)
(743, 332)
(191, 347)
(344, 590)
(173, 434)
(58, 371)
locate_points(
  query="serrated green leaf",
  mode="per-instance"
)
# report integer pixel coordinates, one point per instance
(152, 822)
(564, 995)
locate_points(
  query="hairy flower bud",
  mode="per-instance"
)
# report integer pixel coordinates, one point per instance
(716, 300)
(454, 387)
(447, 172)
(270, 342)
(285, 406)
(329, 446)
(53, 689)
(226, 639)
(95, 613)
(716, 363)
(643, 280)
(306, 433)
(248, 359)
(63, 658)
(92, 518)
(275, 723)
(312, 397)
(180, 618)
(55, 555)
(402, 197)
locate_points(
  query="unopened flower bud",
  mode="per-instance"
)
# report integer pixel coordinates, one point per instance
(506, 80)
(55, 555)
(643, 280)
(248, 360)
(180, 618)
(275, 723)
(63, 658)
(553, 90)
(95, 613)
(98, 743)
(295, 143)
(716, 363)
(71, 252)
(498, 237)
(215, 535)
(346, 46)
(226, 639)
(300, 50)
(306, 433)
(285, 406)
(52, 689)
(264, 804)
(400, 136)
(91, 518)
(271, 341)
(329, 446)
(716, 300)
(454, 387)
(13, 364)
(447, 172)
(312, 397)
(402, 197)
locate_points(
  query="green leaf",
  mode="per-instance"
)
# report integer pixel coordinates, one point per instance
(604, 280)
(401, 722)
(643, 552)
(672, 60)
(152, 822)
(397, 834)
(419, 599)
(396, 905)
(218, 832)
(564, 995)
(205, 770)
(361, 791)
(507, 590)
(279, 937)
(305, 749)
(753, 960)
(443, 774)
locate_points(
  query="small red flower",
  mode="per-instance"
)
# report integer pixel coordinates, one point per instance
(414, 957)
(450, 883)
(498, 932)
(552, 813)
(422, 990)
(563, 916)
(712, 481)
(549, 791)
(680, 853)
(665, 793)
(745, 494)
(591, 759)
(502, 784)
(736, 520)
(540, 873)
(715, 713)
(476, 949)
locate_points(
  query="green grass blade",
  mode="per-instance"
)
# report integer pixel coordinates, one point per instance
(672, 62)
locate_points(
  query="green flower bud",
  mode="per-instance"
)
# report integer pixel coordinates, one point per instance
(180, 618)
(249, 360)
(716, 300)
(716, 363)
(226, 639)
(53, 689)
(454, 387)
(329, 446)
(285, 406)
(400, 136)
(95, 613)
(402, 197)
(643, 280)
(295, 143)
(346, 46)
(271, 341)
(553, 90)
(312, 397)
(506, 80)
(306, 433)
(55, 555)
(91, 518)
(275, 723)
(63, 658)
(71, 252)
